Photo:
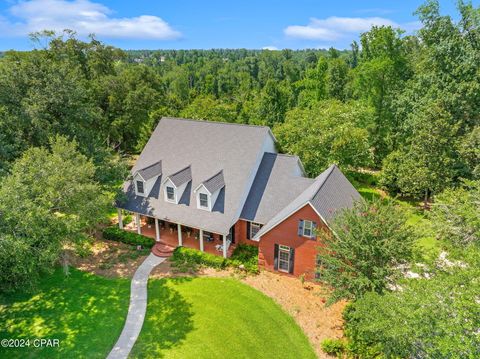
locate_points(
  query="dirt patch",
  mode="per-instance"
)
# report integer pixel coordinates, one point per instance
(110, 259)
(305, 303)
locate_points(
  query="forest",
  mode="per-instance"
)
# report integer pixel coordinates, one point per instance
(404, 107)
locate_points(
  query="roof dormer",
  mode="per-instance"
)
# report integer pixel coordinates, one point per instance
(145, 178)
(207, 192)
(175, 184)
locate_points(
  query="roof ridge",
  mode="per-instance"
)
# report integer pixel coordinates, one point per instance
(153, 164)
(215, 175)
(330, 169)
(183, 169)
(217, 122)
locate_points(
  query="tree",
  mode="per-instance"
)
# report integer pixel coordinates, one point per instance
(429, 161)
(330, 132)
(362, 251)
(428, 318)
(456, 214)
(207, 108)
(380, 75)
(50, 199)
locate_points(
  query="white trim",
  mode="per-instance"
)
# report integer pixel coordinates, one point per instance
(311, 228)
(288, 260)
(254, 223)
(288, 215)
(202, 185)
(168, 179)
(171, 200)
(137, 173)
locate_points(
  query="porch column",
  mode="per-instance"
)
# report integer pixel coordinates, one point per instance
(120, 218)
(224, 246)
(179, 229)
(157, 231)
(201, 239)
(138, 223)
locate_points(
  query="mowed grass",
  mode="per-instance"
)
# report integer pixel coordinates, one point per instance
(85, 312)
(216, 318)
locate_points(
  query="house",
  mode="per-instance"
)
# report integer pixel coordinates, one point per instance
(211, 185)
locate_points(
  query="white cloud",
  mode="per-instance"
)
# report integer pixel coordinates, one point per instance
(334, 28)
(271, 48)
(84, 17)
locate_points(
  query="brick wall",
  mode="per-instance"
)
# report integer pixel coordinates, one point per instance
(241, 233)
(286, 233)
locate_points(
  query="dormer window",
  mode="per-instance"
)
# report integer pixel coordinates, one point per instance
(170, 191)
(140, 187)
(203, 200)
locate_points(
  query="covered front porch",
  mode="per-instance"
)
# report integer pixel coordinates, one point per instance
(174, 234)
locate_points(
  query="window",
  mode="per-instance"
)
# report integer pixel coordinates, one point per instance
(203, 200)
(283, 258)
(254, 228)
(308, 229)
(140, 187)
(170, 193)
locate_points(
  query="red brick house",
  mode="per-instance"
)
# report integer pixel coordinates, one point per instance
(210, 185)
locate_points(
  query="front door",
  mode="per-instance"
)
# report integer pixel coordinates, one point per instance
(284, 258)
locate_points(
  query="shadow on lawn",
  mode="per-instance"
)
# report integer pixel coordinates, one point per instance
(168, 319)
(85, 312)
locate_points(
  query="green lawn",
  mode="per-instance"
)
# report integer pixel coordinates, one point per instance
(216, 318)
(85, 312)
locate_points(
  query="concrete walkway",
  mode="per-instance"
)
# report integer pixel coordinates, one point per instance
(136, 310)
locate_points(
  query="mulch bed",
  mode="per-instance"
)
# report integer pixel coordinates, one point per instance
(304, 302)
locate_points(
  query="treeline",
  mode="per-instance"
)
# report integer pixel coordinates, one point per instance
(408, 105)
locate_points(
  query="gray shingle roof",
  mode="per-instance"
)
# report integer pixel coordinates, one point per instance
(182, 176)
(153, 170)
(208, 147)
(277, 183)
(214, 183)
(330, 192)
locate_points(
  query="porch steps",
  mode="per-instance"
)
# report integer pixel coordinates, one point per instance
(162, 250)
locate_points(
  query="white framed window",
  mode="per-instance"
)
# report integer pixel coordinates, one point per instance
(140, 187)
(254, 228)
(284, 258)
(308, 229)
(203, 200)
(170, 191)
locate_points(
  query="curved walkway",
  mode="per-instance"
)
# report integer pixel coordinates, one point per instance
(136, 310)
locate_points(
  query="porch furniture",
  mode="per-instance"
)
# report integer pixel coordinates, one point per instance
(219, 247)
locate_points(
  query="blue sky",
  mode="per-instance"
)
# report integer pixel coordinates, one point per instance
(189, 24)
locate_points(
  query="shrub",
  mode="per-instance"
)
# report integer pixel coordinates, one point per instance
(114, 233)
(243, 255)
(182, 254)
(333, 346)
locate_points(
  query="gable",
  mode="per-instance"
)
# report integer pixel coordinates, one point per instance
(288, 227)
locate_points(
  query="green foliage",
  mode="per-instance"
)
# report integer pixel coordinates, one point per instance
(113, 233)
(331, 132)
(456, 214)
(243, 255)
(86, 313)
(371, 240)
(333, 346)
(193, 256)
(430, 318)
(49, 199)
